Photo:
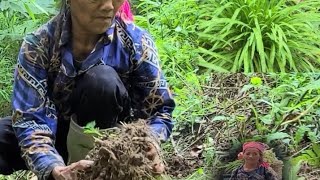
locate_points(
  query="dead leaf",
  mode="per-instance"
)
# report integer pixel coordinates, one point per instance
(196, 151)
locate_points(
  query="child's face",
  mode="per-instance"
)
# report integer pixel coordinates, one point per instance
(251, 155)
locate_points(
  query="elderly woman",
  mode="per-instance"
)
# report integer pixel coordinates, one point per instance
(91, 61)
(254, 168)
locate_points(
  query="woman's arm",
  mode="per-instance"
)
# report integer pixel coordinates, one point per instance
(151, 95)
(271, 174)
(234, 174)
(34, 115)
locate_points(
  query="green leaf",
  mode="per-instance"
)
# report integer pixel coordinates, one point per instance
(30, 12)
(200, 171)
(219, 118)
(90, 125)
(277, 135)
(245, 58)
(246, 87)
(272, 57)
(178, 29)
(267, 119)
(40, 8)
(212, 66)
(261, 36)
(260, 45)
(300, 133)
(256, 81)
(315, 85)
(316, 149)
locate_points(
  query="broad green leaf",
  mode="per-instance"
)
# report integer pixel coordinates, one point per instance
(90, 125)
(300, 133)
(267, 119)
(276, 136)
(212, 66)
(315, 85)
(40, 8)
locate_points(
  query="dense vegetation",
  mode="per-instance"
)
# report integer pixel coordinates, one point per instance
(230, 63)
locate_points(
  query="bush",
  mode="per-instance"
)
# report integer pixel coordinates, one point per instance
(260, 36)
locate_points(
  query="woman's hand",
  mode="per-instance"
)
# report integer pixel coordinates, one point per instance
(70, 172)
(153, 154)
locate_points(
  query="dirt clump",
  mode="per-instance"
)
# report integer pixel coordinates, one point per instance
(181, 167)
(121, 154)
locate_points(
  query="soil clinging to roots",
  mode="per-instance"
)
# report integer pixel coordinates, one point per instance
(121, 154)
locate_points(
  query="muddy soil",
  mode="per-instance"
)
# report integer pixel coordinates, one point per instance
(122, 154)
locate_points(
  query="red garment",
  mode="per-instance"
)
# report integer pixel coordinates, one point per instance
(258, 145)
(125, 12)
(265, 164)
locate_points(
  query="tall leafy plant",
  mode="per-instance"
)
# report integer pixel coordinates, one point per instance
(260, 36)
(28, 8)
(172, 24)
(21, 16)
(17, 17)
(310, 155)
(6, 77)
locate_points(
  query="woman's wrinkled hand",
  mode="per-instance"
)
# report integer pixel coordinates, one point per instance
(70, 172)
(152, 154)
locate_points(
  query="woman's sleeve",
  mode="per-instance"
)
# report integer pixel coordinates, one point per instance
(271, 174)
(151, 96)
(234, 174)
(34, 115)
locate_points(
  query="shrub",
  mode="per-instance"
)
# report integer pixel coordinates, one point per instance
(260, 36)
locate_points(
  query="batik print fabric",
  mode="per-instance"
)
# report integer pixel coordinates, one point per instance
(261, 173)
(44, 79)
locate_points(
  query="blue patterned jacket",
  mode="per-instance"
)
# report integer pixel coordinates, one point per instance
(44, 78)
(261, 173)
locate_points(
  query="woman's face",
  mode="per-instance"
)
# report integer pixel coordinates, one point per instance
(94, 16)
(252, 155)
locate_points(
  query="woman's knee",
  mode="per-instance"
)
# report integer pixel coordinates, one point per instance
(102, 75)
(102, 81)
(101, 95)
